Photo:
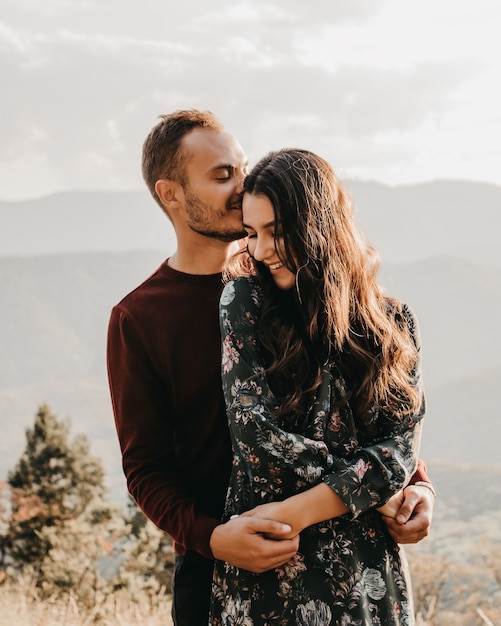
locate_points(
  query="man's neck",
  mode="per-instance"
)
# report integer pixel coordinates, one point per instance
(205, 260)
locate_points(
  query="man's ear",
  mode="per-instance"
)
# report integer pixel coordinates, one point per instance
(169, 192)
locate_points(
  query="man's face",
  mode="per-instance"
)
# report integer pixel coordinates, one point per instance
(214, 174)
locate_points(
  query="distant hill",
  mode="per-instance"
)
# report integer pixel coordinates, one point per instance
(405, 223)
(463, 424)
(467, 511)
(467, 490)
(440, 218)
(84, 221)
(55, 311)
(457, 303)
(66, 259)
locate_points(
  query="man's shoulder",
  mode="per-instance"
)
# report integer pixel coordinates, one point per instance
(154, 286)
(168, 292)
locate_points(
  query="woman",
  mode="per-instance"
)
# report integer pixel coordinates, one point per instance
(321, 380)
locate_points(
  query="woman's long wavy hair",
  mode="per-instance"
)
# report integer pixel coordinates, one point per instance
(337, 310)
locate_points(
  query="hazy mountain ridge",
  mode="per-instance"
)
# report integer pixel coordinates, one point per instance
(428, 219)
(457, 303)
(54, 312)
(463, 422)
(467, 516)
(55, 307)
(458, 486)
(84, 221)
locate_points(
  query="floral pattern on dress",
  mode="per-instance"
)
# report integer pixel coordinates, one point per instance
(348, 571)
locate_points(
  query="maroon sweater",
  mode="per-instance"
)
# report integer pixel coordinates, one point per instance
(164, 366)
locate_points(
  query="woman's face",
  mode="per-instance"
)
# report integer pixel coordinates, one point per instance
(259, 223)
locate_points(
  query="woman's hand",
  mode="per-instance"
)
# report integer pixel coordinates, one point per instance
(275, 511)
(309, 507)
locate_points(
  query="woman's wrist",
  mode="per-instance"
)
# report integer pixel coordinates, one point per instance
(290, 511)
(312, 506)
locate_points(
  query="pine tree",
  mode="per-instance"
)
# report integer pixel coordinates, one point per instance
(54, 482)
(61, 534)
(148, 556)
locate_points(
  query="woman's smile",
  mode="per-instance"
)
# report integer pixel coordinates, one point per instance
(263, 240)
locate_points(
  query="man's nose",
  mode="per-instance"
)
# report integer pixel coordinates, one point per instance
(239, 182)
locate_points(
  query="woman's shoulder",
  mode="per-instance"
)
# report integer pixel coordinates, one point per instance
(243, 289)
(404, 316)
(398, 308)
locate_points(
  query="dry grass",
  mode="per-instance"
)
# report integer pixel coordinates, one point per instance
(19, 606)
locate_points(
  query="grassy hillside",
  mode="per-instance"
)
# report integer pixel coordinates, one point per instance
(456, 571)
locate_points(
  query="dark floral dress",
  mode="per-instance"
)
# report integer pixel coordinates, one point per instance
(348, 571)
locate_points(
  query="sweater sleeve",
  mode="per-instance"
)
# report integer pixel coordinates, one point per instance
(421, 474)
(147, 440)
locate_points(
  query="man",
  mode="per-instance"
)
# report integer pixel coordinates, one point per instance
(164, 370)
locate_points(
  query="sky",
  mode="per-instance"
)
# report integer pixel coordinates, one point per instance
(386, 90)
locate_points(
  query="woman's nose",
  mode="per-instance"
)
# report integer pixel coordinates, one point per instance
(264, 249)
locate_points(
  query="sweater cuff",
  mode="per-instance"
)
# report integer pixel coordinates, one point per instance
(205, 527)
(420, 474)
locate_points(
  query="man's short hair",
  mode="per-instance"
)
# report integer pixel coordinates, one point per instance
(163, 156)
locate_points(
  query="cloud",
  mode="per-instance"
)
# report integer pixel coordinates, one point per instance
(83, 102)
(10, 39)
(85, 81)
(291, 12)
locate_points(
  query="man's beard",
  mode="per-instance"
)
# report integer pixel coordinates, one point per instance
(198, 212)
(226, 236)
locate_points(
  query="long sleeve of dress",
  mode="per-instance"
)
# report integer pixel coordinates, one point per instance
(386, 456)
(365, 470)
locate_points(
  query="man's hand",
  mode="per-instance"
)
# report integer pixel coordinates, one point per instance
(242, 542)
(413, 520)
(275, 511)
(392, 507)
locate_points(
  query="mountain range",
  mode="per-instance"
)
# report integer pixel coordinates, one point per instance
(67, 258)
